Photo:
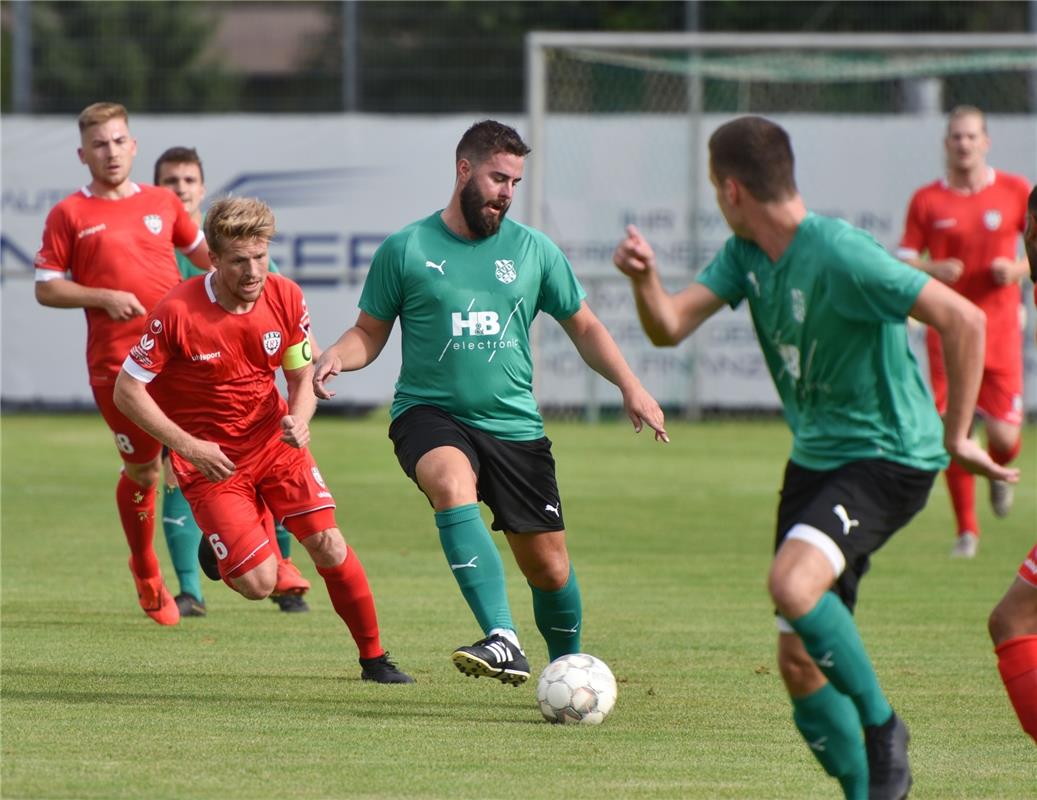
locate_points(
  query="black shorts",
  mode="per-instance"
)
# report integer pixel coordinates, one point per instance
(857, 506)
(515, 479)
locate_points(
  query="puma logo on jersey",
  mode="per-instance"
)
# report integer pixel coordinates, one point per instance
(467, 565)
(826, 660)
(818, 744)
(178, 521)
(438, 266)
(552, 509)
(844, 518)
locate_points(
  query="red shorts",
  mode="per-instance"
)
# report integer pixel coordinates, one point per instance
(135, 445)
(1028, 569)
(279, 477)
(1000, 393)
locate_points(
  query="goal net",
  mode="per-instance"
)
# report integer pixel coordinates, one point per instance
(619, 125)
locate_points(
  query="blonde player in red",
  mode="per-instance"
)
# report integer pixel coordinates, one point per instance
(201, 380)
(1013, 622)
(969, 224)
(109, 249)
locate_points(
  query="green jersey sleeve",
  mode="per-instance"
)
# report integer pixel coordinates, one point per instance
(867, 284)
(382, 294)
(561, 293)
(724, 275)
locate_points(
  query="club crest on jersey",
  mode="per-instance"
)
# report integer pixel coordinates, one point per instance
(156, 326)
(799, 305)
(992, 219)
(272, 342)
(505, 271)
(153, 222)
(317, 477)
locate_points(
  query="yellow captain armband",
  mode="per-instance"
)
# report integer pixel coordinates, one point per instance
(298, 355)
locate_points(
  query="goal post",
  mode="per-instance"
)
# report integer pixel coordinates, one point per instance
(618, 125)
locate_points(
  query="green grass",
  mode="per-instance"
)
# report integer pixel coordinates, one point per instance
(671, 544)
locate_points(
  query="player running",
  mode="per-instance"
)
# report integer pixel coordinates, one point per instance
(109, 249)
(466, 284)
(201, 380)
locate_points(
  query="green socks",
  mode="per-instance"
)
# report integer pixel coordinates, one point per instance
(831, 638)
(284, 541)
(182, 537)
(831, 726)
(559, 615)
(476, 564)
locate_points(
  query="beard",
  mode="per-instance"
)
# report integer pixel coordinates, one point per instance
(478, 222)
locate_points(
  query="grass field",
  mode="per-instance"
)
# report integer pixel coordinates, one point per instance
(671, 544)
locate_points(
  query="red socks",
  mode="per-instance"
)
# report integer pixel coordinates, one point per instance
(351, 596)
(136, 506)
(1017, 662)
(961, 485)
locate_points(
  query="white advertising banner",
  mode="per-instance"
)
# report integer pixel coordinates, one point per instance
(340, 183)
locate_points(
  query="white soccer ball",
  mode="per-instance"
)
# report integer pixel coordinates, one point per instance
(576, 688)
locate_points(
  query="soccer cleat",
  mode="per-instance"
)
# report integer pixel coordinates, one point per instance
(889, 774)
(290, 603)
(1002, 493)
(494, 657)
(189, 605)
(207, 560)
(155, 599)
(966, 545)
(383, 670)
(289, 579)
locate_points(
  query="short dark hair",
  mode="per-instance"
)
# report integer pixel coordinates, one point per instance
(758, 154)
(180, 155)
(1031, 204)
(487, 138)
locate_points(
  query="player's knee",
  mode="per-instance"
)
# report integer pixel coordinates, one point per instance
(799, 673)
(254, 585)
(549, 576)
(144, 474)
(327, 548)
(791, 599)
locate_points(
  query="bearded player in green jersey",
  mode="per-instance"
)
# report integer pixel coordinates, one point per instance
(829, 305)
(180, 170)
(466, 284)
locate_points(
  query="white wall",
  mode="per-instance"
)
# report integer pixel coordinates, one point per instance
(339, 184)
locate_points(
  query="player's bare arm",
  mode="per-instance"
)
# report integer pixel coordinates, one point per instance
(667, 318)
(132, 398)
(1008, 270)
(947, 270)
(63, 293)
(295, 427)
(601, 353)
(200, 256)
(355, 349)
(962, 329)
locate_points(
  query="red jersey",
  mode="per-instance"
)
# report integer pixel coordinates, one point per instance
(125, 244)
(211, 371)
(976, 228)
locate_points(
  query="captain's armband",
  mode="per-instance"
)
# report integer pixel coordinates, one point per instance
(298, 355)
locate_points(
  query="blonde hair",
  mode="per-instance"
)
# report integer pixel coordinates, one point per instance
(967, 111)
(237, 218)
(96, 113)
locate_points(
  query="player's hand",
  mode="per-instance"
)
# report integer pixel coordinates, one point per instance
(324, 369)
(642, 410)
(975, 458)
(122, 306)
(210, 460)
(295, 432)
(947, 270)
(634, 257)
(1003, 270)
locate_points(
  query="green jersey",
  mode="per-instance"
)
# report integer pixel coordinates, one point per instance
(465, 309)
(830, 316)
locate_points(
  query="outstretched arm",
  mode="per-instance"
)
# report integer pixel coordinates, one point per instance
(601, 353)
(962, 329)
(355, 349)
(132, 399)
(666, 318)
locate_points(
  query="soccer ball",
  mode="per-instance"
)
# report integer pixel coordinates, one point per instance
(576, 688)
